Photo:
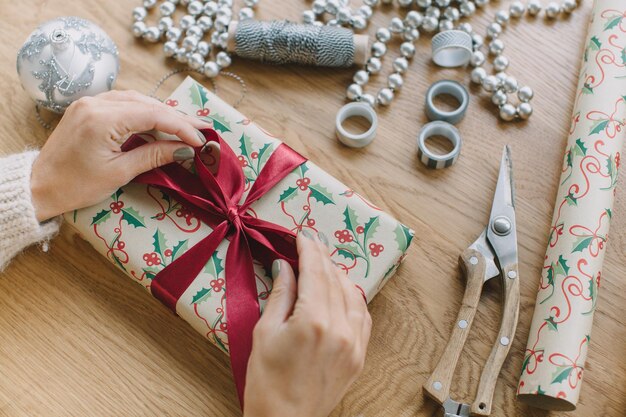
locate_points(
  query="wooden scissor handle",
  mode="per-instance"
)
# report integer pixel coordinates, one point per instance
(510, 313)
(473, 264)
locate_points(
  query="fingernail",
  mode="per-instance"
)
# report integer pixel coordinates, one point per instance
(307, 234)
(182, 154)
(201, 136)
(275, 268)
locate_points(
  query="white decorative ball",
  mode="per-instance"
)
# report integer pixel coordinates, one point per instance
(65, 59)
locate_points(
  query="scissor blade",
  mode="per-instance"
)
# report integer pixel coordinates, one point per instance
(502, 216)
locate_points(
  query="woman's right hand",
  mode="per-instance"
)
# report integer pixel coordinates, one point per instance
(310, 343)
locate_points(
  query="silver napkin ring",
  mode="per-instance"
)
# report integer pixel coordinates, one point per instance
(354, 140)
(451, 48)
(452, 88)
(431, 159)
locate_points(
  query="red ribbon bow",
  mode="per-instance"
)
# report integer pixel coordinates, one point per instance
(214, 199)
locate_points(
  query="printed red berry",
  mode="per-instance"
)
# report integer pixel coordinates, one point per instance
(302, 184)
(223, 326)
(254, 155)
(168, 252)
(344, 236)
(617, 160)
(376, 249)
(598, 279)
(242, 161)
(121, 245)
(217, 284)
(360, 229)
(172, 103)
(310, 222)
(203, 112)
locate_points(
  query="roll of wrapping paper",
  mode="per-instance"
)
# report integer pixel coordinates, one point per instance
(560, 332)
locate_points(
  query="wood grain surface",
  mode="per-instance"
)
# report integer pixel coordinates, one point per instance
(77, 338)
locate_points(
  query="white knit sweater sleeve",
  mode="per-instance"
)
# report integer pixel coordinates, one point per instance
(19, 227)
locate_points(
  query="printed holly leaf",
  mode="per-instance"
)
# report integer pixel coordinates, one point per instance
(101, 217)
(595, 44)
(116, 195)
(179, 249)
(321, 194)
(612, 22)
(214, 267)
(132, 217)
(526, 362)
(198, 95)
(349, 219)
(370, 227)
(609, 213)
(119, 263)
(561, 267)
(264, 154)
(166, 197)
(582, 243)
(151, 272)
(201, 296)
(579, 148)
(593, 294)
(159, 242)
(623, 56)
(219, 123)
(348, 250)
(540, 391)
(550, 275)
(598, 126)
(587, 89)
(303, 169)
(404, 235)
(245, 144)
(552, 325)
(571, 200)
(569, 159)
(288, 194)
(561, 374)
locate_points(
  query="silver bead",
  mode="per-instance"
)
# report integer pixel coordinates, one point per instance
(407, 49)
(169, 48)
(203, 48)
(205, 23)
(524, 110)
(383, 35)
(165, 23)
(196, 61)
(569, 6)
(195, 30)
(152, 34)
(195, 8)
(502, 17)
(221, 23)
(167, 8)
(332, 6)
(186, 22)
(224, 11)
(354, 92)
(467, 9)
(251, 3)
(139, 13)
(478, 75)
(477, 41)
(500, 63)
(400, 65)
(452, 13)
(552, 10)
(395, 81)
(433, 11)
(499, 98)
(396, 25)
(490, 83)
(384, 97)
(181, 55)
(378, 49)
(442, 3)
(222, 40)
(517, 9)
(369, 99)
(496, 47)
(465, 27)
(189, 43)
(361, 77)
(477, 59)
(424, 3)
(358, 22)
(210, 8)
(344, 14)
(210, 69)
(173, 34)
(374, 65)
(308, 17)
(149, 4)
(501, 76)
(525, 94)
(430, 24)
(332, 23)
(139, 28)
(318, 7)
(481, 3)
(411, 34)
(494, 30)
(508, 112)
(365, 11)
(414, 19)
(445, 24)
(222, 59)
(534, 7)
(510, 85)
(404, 3)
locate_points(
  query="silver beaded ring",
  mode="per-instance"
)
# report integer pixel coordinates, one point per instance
(431, 159)
(351, 139)
(452, 88)
(452, 48)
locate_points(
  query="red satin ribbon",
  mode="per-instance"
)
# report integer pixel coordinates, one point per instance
(214, 199)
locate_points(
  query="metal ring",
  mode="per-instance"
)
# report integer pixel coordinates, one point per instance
(451, 48)
(452, 88)
(351, 139)
(431, 159)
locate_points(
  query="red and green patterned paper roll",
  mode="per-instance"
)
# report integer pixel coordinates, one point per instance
(560, 332)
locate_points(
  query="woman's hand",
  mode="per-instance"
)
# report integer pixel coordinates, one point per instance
(310, 343)
(81, 164)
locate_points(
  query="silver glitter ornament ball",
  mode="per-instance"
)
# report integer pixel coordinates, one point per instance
(65, 59)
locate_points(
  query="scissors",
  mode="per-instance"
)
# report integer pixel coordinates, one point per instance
(493, 254)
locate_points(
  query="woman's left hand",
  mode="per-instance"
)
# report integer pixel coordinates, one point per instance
(82, 164)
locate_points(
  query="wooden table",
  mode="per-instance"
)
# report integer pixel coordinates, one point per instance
(78, 338)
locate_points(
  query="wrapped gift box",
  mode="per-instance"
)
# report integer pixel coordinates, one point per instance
(142, 229)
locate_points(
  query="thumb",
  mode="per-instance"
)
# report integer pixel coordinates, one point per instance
(281, 301)
(154, 155)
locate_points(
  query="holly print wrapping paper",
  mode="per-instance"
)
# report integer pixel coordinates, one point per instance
(142, 229)
(560, 332)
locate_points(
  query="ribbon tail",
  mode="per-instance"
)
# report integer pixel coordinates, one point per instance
(242, 307)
